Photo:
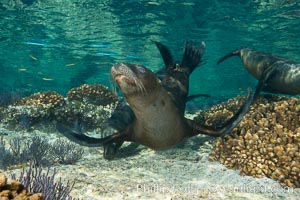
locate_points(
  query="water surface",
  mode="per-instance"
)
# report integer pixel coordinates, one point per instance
(57, 45)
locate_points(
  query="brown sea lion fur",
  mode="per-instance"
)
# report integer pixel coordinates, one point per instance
(158, 105)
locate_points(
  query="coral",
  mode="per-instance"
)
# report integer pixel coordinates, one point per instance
(84, 116)
(89, 106)
(35, 180)
(265, 143)
(65, 152)
(15, 190)
(38, 150)
(20, 151)
(47, 99)
(32, 109)
(13, 155)
(8, 97)
(93, 94)
(24, 116)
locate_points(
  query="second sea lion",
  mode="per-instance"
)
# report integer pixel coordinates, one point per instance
(280, 74)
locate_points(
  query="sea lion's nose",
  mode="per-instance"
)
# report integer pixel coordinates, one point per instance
(119, 66)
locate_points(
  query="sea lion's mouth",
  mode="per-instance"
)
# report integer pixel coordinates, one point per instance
(121, 72)
(126, 79)
(121, 69)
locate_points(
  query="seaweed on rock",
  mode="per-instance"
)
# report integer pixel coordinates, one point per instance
(39, 151)
(13, 155)
(65, 152)
(6, 158)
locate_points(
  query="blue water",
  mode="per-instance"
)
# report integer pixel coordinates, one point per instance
(60, 44)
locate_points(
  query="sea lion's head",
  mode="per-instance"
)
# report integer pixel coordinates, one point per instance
(134, 79)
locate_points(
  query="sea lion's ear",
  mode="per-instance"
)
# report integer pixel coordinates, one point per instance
(166, 54)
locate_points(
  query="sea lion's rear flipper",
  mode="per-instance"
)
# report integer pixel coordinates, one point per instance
(166, 55)
(234, 53)
(192, 56)
(110, 143)
(228, 126)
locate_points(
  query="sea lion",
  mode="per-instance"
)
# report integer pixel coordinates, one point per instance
(123, 115)
(280, 74)
(158, 106)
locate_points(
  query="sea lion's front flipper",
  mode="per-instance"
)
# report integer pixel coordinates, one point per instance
(166, 55)
(111, 148)
(86, 140)
(192, 56)
(228, 126)
(266, 76)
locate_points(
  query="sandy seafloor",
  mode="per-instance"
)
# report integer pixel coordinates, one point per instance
(141, 173)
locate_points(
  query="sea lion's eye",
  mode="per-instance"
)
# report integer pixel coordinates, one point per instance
(141, 69)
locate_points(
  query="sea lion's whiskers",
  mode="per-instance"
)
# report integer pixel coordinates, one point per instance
(144, 89)
(140, 86)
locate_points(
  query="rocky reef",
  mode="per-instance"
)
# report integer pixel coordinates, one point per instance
(87, 106)
(265, 143)
(32, 109)
(15, 190)
(48, 99)
(95, 94)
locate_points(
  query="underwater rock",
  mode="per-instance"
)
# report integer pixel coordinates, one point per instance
(84, 116)
(15, 190)
(48, 99)
(87, 107)
(94, 94)
(32, 109)
(25, 116)
(265, 143)
(3, 180)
